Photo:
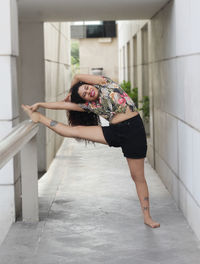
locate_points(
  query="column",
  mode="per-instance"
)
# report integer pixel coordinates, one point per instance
(31, 82)
(9, 116)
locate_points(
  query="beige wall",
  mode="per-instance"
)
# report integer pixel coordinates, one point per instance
(174, 80)
(99, 52)
(57, 77)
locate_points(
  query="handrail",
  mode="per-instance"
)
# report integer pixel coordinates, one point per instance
(16, 139)
(23, 139)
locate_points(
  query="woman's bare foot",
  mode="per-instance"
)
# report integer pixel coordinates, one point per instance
(34, 116)
(148, 221)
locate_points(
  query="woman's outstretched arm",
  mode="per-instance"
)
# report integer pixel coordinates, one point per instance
(88, 78)
(92, 133)
(62, 105)
(37, 117)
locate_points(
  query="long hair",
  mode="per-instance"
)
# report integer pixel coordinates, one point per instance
(76, 118)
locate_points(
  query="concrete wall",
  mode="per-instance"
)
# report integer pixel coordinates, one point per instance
(99, 52)
(57, 78)
(174, 80)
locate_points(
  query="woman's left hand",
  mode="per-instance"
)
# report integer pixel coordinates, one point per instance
(34, 107)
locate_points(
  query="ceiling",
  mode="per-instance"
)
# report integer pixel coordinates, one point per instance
(78, 10)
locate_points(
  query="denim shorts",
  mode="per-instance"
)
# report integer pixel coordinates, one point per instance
(130, 135)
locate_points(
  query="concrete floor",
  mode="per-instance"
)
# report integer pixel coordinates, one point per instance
(90, 213)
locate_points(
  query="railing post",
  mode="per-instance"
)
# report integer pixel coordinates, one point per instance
(29, 178)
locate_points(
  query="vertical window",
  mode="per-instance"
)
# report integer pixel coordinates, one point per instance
(128, 62)
(135, 61)
(145, 68)
(124, 77)
(121, 64)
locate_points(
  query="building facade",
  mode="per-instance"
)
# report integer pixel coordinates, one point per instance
(98, 47)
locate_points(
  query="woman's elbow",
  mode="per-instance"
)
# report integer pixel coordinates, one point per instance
(76, 76)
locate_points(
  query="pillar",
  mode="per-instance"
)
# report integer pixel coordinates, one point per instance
(31, 81)
(9, 115)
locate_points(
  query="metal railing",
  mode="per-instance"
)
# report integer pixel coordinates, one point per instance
(23, 139)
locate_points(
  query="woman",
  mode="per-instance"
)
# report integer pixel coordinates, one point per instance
(89, 97)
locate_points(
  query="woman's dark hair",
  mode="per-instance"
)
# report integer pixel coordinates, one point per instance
(76, 118)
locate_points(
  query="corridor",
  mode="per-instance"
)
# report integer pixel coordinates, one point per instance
(90, 213)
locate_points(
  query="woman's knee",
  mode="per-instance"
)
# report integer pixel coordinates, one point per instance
(73, 132)
(92, 133)
(77, 131)
(139, 178)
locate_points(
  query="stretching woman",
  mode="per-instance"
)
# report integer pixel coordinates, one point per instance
(92, 96)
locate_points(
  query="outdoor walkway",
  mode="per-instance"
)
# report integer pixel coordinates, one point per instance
(90, 213)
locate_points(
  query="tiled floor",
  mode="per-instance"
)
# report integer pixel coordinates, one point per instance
(90, 213)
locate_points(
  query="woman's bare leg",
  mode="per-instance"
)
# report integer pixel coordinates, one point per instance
(136, 167)
(95, 134)
(92, 133)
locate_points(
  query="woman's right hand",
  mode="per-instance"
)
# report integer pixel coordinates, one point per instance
(35, 117)
(34, 107)
(68, 98)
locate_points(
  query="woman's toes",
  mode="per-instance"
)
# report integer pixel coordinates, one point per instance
(155, 225)
(151, 223)
(26, 110)
(23, 107)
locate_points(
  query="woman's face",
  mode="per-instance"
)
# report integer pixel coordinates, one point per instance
(88, 92)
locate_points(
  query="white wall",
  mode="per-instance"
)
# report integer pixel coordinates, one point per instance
(175, 58)
(174, 62)
(57, 77)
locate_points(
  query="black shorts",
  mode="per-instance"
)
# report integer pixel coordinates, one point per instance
(130, 135)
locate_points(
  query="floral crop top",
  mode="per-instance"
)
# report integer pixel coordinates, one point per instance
(111, 100)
